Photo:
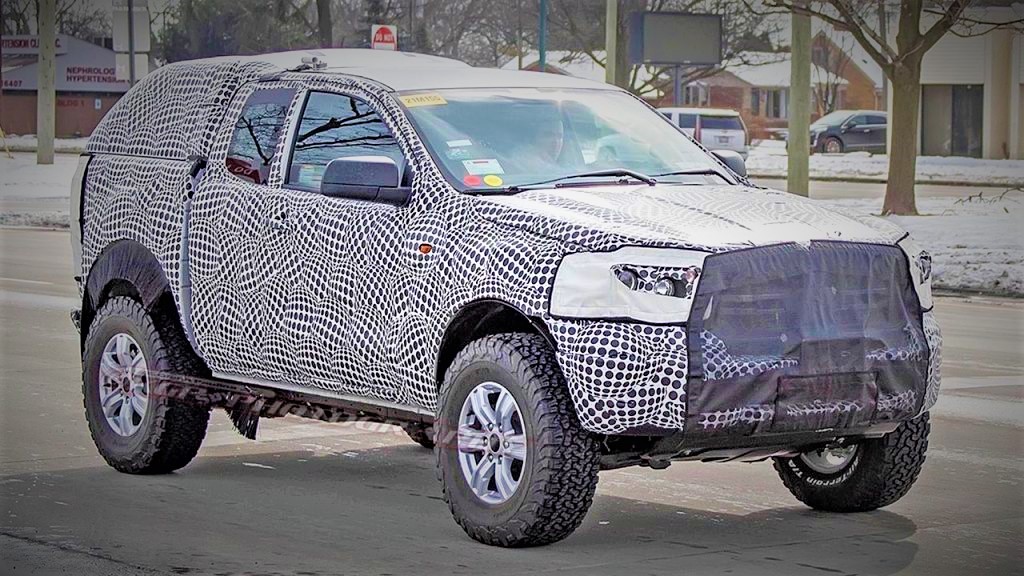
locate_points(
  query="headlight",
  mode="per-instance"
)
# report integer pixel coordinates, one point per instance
(924, 262)
(920, 270)
(646, 284)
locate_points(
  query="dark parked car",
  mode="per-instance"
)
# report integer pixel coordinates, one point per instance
(850, 131)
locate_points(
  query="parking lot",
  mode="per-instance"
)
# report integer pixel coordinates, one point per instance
(311, 498)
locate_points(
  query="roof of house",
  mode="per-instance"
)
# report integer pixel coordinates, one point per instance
(855, 52)
(772, 70)
(574, 64)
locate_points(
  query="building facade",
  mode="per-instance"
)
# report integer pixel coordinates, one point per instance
(85, 79)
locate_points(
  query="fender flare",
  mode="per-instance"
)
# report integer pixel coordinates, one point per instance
(124, 262)
(471, 321)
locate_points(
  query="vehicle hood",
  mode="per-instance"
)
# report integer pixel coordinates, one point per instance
(714, 218)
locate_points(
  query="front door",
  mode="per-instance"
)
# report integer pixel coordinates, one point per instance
(342, 304)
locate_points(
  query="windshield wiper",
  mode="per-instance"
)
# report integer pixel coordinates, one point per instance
(612, 172)
(693, 172)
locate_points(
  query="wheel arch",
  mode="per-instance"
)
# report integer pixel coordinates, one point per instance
(481, 318)
(124, 268)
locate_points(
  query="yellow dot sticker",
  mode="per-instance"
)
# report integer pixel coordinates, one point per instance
(493, 180)
(414, 100)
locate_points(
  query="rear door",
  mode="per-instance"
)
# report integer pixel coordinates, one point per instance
(722, 133)
(240, 256)
(878, 126)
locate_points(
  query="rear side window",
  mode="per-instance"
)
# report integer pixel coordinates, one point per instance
(876, 120)
(720, 123)
(687, 120)
(257, 132)
(337, 126)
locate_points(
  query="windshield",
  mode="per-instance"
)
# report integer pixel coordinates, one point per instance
(501, 138)
(721, 123)
(833, 119)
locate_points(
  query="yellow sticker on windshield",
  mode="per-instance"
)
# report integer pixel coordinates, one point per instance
(414, 100)
(493, 180)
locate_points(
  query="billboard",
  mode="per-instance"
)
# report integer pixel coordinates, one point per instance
(675, 38)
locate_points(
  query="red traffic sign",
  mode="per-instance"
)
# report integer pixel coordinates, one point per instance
(384, 37)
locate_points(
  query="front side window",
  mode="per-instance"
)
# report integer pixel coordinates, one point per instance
(336, 126)
(257, 132)
(497, 138)
(688, 121)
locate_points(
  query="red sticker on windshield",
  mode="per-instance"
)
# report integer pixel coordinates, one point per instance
(471, 180)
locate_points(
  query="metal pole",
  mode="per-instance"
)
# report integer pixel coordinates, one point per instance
(46, 98)
(799, 145)
(542, 42)
(677, 86)
(131, 43)
(611, 38)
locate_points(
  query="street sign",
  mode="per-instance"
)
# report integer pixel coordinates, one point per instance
(120, 21)
(384, 37)
(675, 39)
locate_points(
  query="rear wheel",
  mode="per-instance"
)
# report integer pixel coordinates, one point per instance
(516, 466)
(859, 477)
(127, 357)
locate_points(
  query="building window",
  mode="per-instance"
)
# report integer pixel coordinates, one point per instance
(755, 101)
(775, 105)
(695, 95)
(951, 119)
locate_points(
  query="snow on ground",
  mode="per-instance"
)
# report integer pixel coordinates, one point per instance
(976, 241)
(768, 159)
(29, 143)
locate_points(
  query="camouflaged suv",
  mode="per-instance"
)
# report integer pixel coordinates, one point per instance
(538, 276)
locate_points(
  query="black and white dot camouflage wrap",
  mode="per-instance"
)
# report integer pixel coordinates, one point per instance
(342, 300)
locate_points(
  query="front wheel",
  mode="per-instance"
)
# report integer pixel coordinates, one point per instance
(832, 145)
(860, 477)
(516, 466)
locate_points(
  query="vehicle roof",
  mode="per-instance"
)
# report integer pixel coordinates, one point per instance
(402, 71)
(701, 111)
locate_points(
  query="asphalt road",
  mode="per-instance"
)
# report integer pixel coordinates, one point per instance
(310, 498)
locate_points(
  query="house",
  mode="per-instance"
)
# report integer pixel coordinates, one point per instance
(972, 92)
(85, 80)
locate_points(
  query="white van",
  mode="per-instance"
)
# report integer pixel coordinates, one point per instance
(715, 128)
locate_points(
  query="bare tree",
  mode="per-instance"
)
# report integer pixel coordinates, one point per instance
(922, 23)
(829, 74)
(581, 23)
(77, 18)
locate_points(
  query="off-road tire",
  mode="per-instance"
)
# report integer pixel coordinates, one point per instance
(171, 430)
(881, 472)
(421, 434)
(561, 467)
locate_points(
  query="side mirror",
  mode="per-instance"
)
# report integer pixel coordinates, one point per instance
(369, 178)
(733, 160)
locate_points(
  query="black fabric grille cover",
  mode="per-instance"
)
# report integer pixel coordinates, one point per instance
(792, 337)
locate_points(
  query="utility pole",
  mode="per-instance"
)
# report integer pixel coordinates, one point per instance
(883, 31)
(46, 99)
(131, 43)
(611, 39)
(542, 42)
(799, 143)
